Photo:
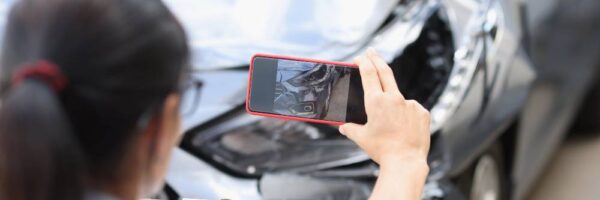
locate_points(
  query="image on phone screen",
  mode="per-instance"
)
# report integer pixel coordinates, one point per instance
(311, 90)
(307, 90)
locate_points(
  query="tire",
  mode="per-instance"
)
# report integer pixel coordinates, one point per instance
(486, 178)
(588, 119)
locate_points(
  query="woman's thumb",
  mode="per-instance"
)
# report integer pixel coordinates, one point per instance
(350, 130)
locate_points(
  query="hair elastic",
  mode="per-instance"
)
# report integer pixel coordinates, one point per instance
(43, 70)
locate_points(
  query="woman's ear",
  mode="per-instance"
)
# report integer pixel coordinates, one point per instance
(168, 134)
(161, 137)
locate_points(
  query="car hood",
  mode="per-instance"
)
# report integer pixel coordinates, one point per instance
(227, 33)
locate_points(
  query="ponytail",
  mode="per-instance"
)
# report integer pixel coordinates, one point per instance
(119, 57)
(39, 156)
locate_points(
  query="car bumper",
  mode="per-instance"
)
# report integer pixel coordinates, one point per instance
(192, 178)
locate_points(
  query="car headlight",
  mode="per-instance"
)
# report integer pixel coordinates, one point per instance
(250, 145)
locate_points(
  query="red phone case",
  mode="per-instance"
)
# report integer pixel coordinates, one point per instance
(341, 64)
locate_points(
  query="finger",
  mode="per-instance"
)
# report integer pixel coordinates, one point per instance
(386, 75)
(368, 76)
(351, 130)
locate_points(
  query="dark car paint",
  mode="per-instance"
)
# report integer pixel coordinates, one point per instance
(491, 105)
(565, 57)
(566, 50)
(542, 108)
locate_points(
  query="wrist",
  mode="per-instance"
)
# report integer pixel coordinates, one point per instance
(408, 163)
(403, 178)
(395, 159)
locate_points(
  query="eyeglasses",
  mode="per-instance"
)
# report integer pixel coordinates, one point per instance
(190, 92)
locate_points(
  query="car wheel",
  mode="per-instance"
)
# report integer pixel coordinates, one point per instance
(589, 112)
(486, 179)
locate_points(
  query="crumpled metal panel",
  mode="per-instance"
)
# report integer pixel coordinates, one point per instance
(333, 30)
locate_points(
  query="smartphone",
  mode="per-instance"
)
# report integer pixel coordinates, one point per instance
(305, 89)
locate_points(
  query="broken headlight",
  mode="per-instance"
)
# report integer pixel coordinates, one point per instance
(249, 145)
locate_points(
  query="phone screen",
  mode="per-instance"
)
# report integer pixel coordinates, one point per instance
(305, 89)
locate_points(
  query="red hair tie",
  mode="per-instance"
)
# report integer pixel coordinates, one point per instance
(42, 70)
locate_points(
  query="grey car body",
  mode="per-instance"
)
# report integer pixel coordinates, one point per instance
(522, 93)
(510, 73)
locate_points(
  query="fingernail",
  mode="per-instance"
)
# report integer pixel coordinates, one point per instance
(341, 129)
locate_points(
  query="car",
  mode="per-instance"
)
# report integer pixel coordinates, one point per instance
(498, 77)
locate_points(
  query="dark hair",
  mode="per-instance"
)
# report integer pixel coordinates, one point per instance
(121, 59)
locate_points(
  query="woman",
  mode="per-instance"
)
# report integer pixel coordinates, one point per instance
(90, 96)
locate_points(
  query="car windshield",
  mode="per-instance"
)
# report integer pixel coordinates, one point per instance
(226, 33)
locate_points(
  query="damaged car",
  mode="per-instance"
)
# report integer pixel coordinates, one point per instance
(502, 79)
(499, 100)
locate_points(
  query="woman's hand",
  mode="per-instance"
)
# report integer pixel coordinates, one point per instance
(396, 129)
(396, 134)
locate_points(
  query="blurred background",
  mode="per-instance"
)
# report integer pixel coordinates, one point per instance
(512, 86)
